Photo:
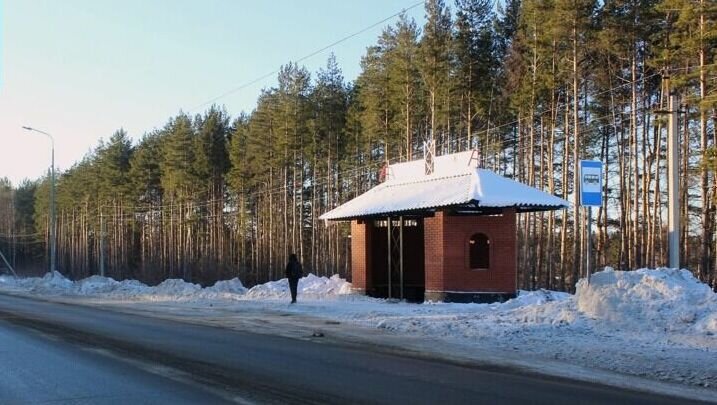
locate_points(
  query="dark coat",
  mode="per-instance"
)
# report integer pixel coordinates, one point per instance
(294, 270)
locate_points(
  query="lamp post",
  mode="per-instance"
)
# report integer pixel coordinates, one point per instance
(53, 230)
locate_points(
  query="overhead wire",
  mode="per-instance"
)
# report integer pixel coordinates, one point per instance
(564, 104)
(305, 57)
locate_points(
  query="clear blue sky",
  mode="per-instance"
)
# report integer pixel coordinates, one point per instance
(80, 69)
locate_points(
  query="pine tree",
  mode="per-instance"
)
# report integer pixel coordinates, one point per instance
(477, 58)
(435, 64)
(144, 173)
(404, 85)
(112, 161)
(179, 176)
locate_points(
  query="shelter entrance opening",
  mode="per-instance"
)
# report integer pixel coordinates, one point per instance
(398, 259)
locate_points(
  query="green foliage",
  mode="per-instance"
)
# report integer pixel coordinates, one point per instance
(24, 207)
(710, 160)
(145, 172)
(238, 174)
(179, 176)
(112, 164)
(212, 159)
(435, 64)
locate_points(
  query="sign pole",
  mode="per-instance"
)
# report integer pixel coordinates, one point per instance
(588, 261)
(591, 182)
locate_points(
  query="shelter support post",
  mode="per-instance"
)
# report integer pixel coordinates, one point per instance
(388, 239)
(400, 255)
(395, 256)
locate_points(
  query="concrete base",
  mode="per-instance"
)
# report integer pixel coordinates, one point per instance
(466, 297)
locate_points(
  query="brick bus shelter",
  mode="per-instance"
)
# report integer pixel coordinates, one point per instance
(439, 230)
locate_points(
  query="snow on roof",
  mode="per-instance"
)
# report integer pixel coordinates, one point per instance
(454, 182)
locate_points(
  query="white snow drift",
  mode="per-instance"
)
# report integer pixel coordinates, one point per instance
(656, 300)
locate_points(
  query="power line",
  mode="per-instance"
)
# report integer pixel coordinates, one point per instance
(303, 58)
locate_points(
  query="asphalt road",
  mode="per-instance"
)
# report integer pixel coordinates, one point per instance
(35, 369)
(63, 353)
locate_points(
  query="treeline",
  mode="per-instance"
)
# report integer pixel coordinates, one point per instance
(535, 86)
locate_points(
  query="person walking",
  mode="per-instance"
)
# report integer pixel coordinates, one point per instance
(293, 273)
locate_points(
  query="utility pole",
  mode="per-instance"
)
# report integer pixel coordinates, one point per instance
(102, 244)
(53, 218)
(673, 184)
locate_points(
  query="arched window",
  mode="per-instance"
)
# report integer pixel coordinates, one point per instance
(479, 251)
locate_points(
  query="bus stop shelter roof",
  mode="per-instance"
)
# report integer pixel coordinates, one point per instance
(455, 182)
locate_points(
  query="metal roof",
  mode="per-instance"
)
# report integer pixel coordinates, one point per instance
(453, 184)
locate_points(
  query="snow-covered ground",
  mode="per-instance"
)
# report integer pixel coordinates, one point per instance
(660, 324)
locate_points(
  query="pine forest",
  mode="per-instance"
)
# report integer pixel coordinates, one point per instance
(533, 85)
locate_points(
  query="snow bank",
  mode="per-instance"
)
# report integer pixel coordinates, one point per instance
(49, 283)
(659, 300)
(95, 285)
(176, 287)
(658, 323)
(647, 299)
(233, 286)
(310, 286)
(55, 283)
(538, 297)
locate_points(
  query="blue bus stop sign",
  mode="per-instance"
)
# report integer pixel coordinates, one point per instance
(591, 183)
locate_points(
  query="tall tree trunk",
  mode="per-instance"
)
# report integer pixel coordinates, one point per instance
(577, 263)
(704, 177)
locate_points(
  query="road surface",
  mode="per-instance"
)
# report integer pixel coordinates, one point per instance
(60, 353)
(38, 370)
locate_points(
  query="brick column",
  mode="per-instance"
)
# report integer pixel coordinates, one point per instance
(361, 256)
(433, 241)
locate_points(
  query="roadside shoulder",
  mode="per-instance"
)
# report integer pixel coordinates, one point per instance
(283, 321)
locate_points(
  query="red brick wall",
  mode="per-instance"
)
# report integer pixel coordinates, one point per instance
(446, 247)
(360, 255)
(434, 246)
(446, 244)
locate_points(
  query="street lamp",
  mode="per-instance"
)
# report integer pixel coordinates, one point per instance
(53, 235)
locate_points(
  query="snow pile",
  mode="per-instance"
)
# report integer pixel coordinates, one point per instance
(538, 297)
(55, 283)
(314, 286)
(130, 288)
(536, 309)
(50, 283)
(646, 299)
(96, 285)
(661, 300)
(310, 286)
(233, 286)
(175, 287)
(528, 313)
